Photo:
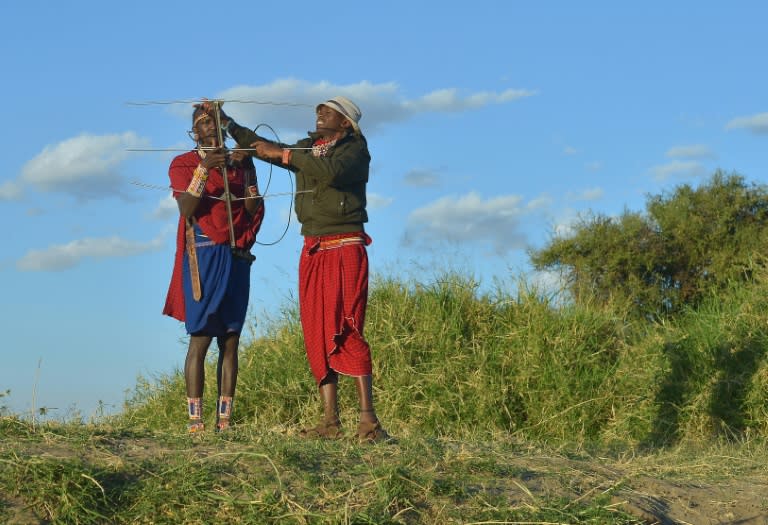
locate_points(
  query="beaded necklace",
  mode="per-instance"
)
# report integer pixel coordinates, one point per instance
(321, 148)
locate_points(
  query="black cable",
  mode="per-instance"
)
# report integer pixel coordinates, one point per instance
(266, 189)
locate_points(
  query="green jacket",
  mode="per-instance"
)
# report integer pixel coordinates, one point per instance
(337, 181)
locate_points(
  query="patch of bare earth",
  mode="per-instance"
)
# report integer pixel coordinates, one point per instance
(654, 500)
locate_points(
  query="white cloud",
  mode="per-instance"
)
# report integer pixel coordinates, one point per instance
(64, 256)
(84, 166)
(568, 221)
(10, 190)
(421, 178)
(755, 123)
(591, 194)
(694, 151)
(166, 209)
(539, 203)
(470, 219)
(377, 202)
(449, 100)
(290, 103)
(595, 165)
(549, 284)
(564, 229)
(570, 150)
(678, 169)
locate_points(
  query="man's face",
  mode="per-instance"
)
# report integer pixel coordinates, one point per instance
(205, 128)
(329, 120)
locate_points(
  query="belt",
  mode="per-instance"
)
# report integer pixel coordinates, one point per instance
(243, 254)
(237, 252)
(338, 243)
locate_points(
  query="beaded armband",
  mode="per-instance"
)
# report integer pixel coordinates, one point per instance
(197, 184)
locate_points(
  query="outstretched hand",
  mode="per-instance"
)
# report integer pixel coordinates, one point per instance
(267, 150)
(237, 156)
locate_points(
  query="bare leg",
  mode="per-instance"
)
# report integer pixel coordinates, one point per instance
(330, 426)
(329, 396)
(369, 429)
(226, 369)
(226, 378)
(364, 386)
(194, 377)
(194, 365)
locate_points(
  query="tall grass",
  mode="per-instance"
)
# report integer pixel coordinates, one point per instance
(471, 383)
(450, 361)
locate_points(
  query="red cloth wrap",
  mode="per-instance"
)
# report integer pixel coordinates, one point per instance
(211, 215)
(333, 295)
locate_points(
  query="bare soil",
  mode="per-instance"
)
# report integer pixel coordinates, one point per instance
(654, 500)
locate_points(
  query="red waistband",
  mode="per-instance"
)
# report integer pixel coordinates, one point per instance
(337, 240)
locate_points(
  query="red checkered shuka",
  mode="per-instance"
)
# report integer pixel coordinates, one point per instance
(333, 296)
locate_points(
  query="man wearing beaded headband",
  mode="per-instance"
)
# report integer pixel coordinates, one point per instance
(211, 276)
(331, 168)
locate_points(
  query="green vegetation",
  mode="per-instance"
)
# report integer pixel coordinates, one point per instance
(485, 392)
(690, 242)
(71, 475)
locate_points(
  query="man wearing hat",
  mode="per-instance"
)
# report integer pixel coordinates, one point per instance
(331, 168)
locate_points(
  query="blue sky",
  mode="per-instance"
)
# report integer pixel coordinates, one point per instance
(491, 124)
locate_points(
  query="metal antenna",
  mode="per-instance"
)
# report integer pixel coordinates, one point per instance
(227, 194)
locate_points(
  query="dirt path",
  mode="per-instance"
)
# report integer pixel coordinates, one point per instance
(654, 500)
(734, 502)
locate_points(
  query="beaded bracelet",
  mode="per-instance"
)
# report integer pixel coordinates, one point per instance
(197, 184)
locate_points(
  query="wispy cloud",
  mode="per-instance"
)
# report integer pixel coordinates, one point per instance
(471, 219)
(65, 256)
(678, 169)
(549, 284)
(570, 150)
(291, 102)
(421, 178)
(10, 190)
(591, 194)
(568, 221)
(377, 202)
(166, 209)
(450, 100)
(595, 165)
(757, 123)
(693, 151)
(85, 166)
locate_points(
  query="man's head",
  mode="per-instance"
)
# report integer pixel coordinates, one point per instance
(204, 129)
(347, 115)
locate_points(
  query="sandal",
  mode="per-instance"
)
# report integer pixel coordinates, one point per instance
(223, 413)
(372, 432)
(323, 430)
(196, 427)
